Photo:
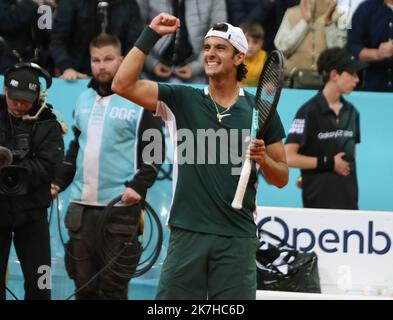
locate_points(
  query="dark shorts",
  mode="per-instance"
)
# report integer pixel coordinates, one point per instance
(206, 266)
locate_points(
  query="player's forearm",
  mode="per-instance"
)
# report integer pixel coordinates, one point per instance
(127, 83)
(276, 172)
(127, 76)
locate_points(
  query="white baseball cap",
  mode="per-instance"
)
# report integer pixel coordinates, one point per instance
(234, 35)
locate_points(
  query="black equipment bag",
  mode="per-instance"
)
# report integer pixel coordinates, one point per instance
(280, 267)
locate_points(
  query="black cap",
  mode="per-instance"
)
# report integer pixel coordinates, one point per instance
(23, 84)
(339, 59)
(349, 63)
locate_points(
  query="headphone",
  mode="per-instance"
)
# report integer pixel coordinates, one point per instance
(42, 96)
(32, 66)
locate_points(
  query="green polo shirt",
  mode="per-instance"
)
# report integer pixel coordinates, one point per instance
(204, 181)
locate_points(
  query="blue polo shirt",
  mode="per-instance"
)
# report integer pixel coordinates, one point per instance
(372, 24)
(107, 146)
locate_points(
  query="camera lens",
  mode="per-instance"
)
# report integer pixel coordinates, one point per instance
(13, 181)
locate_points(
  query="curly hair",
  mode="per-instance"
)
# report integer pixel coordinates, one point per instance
(241, 69)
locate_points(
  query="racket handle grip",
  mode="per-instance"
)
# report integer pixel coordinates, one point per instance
(237, 202)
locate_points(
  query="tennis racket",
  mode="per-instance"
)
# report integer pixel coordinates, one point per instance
(266, 99)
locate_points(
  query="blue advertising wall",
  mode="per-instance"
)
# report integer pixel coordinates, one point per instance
(375, 174)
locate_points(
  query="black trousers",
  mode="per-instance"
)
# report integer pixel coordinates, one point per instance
(32, 246)
(97, 275)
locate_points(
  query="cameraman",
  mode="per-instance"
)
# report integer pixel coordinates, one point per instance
(30, 131)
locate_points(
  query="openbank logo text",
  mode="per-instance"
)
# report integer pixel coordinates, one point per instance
(331, 241)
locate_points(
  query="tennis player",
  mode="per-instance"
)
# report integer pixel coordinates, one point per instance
(212, 246)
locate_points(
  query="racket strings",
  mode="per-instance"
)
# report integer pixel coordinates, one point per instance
(267, 89)
(267, 96)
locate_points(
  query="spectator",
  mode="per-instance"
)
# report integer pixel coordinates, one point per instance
(17, 20)
(42, 36)
(348, 7)
(182, 58)
(255, 56)
(77, 22)
(268, 13)
(52, 3)
(247, 10)
(322, 138)
(371, 39)
(106, 150)
(306, 31)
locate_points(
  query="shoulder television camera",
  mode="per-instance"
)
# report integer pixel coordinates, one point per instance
(13, 178)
